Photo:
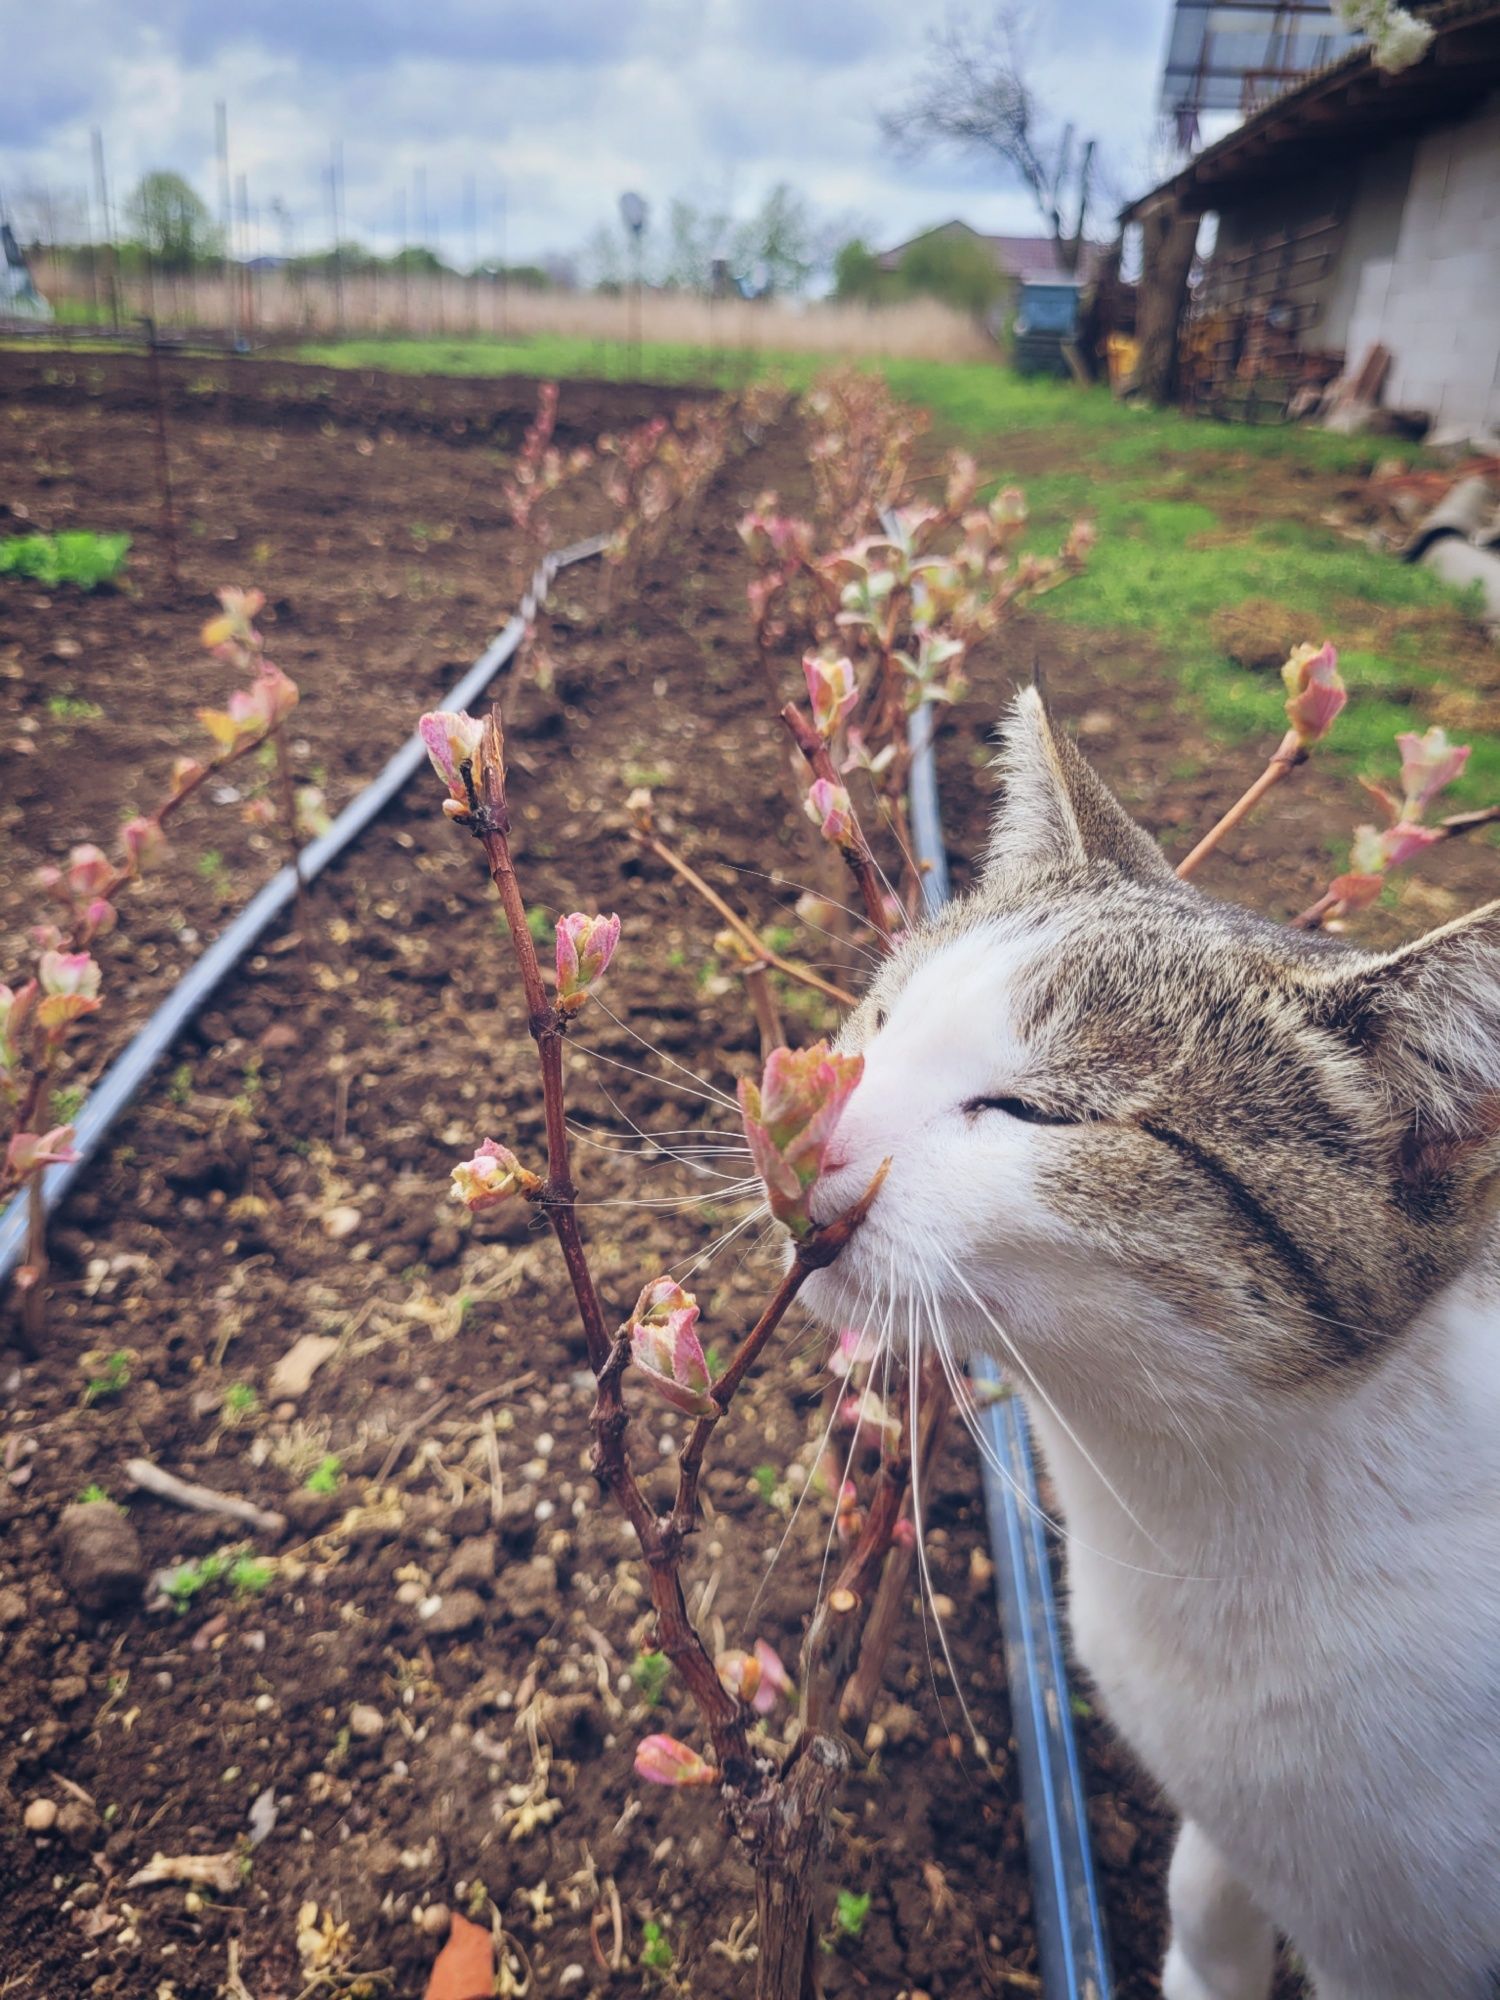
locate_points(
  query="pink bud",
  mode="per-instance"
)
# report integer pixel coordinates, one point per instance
(789, 1119)
(16, 1004)
(1080, 540)
(30, 1151)
(99, 918)
(830, 810)
(773, 1674)
(664, 1345)
(904, 1535)
(90, 872)
(662, 1760)
(585, 946)
(143, 840)
(1428, 764)
(1402, 841)
(493, 1175)
(1008, 508)
(239, 608)
(962, 483)
(872, 1423)
(1315, 693)
(831, 686)
(277, 694)
(758, 1678)
(740, 1673)
(759, 592)
(70, 985)
(452, 741)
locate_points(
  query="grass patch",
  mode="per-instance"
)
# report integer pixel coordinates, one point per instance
(557, 355)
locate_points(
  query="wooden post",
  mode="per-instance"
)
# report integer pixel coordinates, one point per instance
(1169, 236)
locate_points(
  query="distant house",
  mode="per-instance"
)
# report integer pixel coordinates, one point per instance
(1019, 259)
(1358, 232)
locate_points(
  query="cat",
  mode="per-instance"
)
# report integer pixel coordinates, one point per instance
(1221, 1195)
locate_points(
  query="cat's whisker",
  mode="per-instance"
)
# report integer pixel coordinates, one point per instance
(849, 1458)
(730, 1193)
(697, 1262)
(807, 1487)
(694, 1162)
(871, 956)
(1030, 1379)
(929, 1595)
(652, 1145)
(906, 855)
(722, 1096)
(709, 1095)
(971, 1419)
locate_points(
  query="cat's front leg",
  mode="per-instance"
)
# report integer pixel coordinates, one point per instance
(1223, 1946)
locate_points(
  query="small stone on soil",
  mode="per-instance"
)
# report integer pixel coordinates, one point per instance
(77, 1824)
(294, 1371)
(472, 1564)
(100, 1554)
(454, 1612)
(40, 1816)
(365, 1721)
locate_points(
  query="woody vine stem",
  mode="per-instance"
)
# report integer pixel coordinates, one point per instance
(779, 1805)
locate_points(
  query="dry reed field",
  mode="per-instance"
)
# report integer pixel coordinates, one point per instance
(277, 303)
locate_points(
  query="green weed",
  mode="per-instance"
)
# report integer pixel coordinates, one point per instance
(326, 1475)
(651, 1672)
(79, 557)
(112, 1379)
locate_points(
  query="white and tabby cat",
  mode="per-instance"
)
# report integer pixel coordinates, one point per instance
(1222, 1195)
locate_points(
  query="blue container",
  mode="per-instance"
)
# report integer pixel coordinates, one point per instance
(1049, 308)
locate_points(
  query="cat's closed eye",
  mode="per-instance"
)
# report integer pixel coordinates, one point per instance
(1023, 1109)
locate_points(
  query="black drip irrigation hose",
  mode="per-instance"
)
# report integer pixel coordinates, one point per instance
(1065, 1896)
(123, 1079)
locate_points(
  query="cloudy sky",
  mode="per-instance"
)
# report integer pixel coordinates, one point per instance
(552, 109)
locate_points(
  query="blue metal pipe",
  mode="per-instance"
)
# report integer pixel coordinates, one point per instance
(130, 1069)
(1065, 1897)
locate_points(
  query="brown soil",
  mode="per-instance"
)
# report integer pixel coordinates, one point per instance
(288, 1176)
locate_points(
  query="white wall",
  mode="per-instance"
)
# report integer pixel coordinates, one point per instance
(1435, 302)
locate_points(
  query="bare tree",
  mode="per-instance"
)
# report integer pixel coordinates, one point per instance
(973, 96)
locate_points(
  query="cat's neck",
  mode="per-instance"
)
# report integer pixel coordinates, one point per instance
(1413, 1439)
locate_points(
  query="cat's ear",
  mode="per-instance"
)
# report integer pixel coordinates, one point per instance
(1427, 1018)
(1054, 811)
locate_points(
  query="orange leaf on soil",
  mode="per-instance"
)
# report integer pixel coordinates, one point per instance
(465, 1967)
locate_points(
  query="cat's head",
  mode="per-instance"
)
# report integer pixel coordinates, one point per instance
(1170, 1149)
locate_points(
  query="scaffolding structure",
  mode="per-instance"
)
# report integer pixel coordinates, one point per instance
(1236, 55)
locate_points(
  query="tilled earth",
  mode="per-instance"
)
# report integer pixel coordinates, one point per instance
(432, 1674)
